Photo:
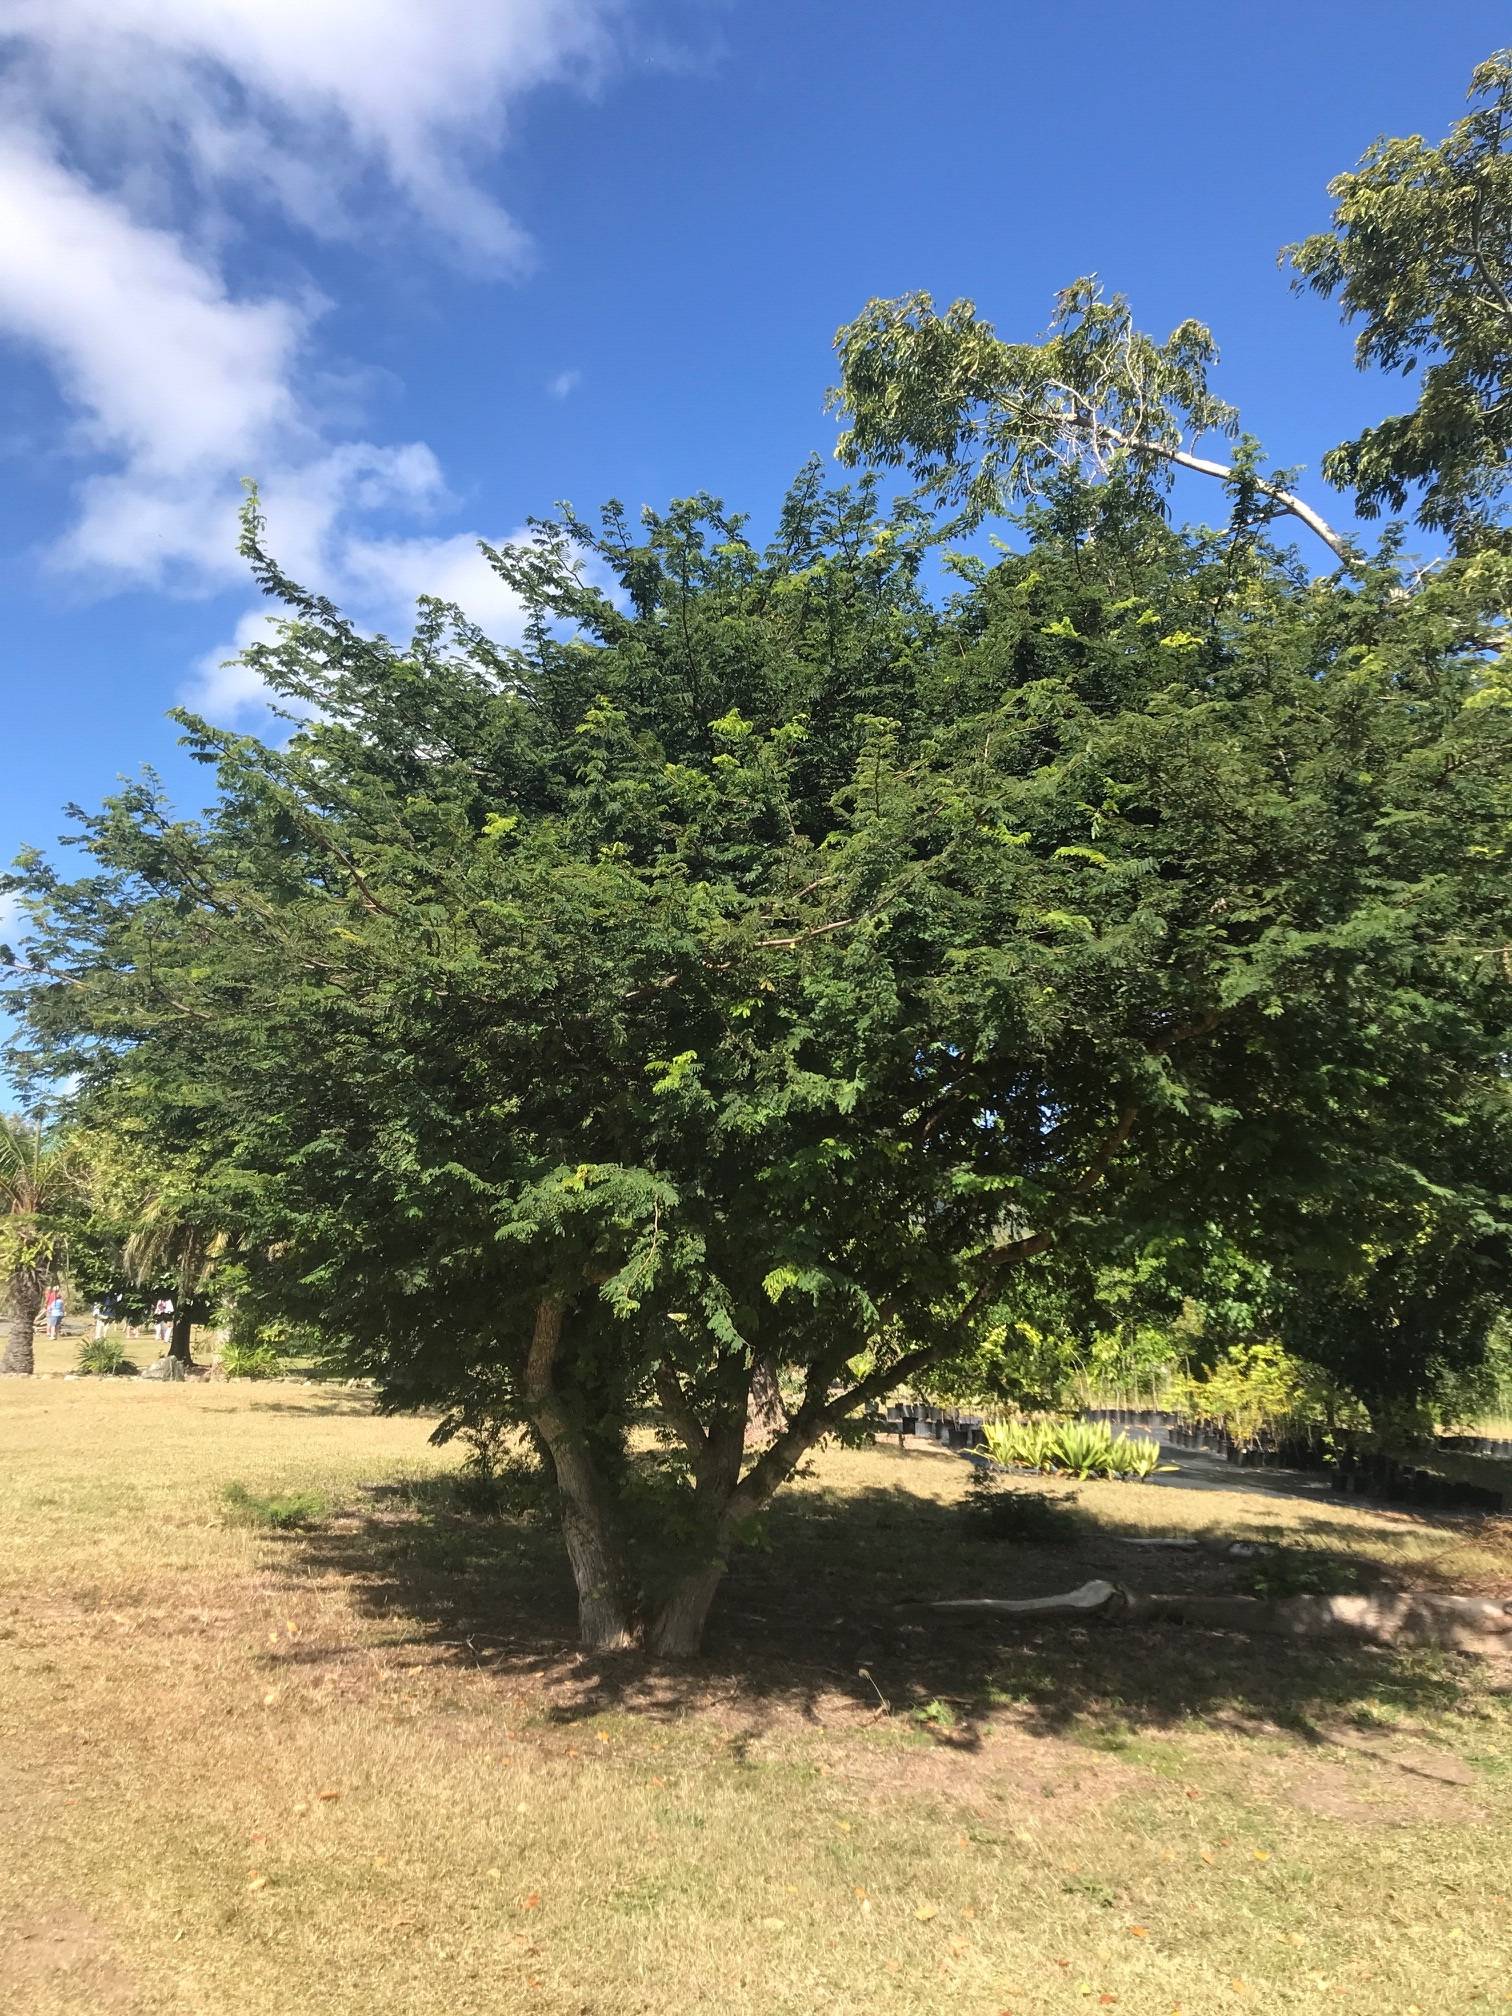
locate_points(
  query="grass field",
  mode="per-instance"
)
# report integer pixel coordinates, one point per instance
(358, 1767)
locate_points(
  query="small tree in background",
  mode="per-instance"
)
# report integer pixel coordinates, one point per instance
(39, 1186)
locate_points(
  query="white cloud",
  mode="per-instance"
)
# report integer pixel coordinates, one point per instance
(564, 384)
(224, 689)
(386, 576)
(305, 96)
(142, 141)
(166, 369)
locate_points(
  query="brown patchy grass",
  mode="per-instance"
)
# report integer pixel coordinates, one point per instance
(360, 1767)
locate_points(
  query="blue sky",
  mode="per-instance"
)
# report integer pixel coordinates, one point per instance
(424, 266)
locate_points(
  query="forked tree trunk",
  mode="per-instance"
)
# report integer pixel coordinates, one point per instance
(678, 1626)
(606, 1615)
(179, 1335)
(24, 1300)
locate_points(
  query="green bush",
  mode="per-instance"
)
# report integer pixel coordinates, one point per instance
(280, 1512)
(1083, 1449)
(1139, 1457)
(248, 1359)
(1300, 1571)
(105, 1358)
(1260, 1392)
(996, 1510)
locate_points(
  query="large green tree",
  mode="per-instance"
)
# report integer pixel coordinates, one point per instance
(1419, 254)
(766, 962)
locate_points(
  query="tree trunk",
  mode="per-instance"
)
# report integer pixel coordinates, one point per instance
(606, 1616)
(178, 1336)
(678, 1627)
(768, 1416)
(25, 1301)
(606, 1621)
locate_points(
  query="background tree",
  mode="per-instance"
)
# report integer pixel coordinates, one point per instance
(1420, 255)
(989, 424)
(39, 1180)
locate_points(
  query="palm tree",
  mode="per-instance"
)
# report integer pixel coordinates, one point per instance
(38, 1174)
(169, 1248)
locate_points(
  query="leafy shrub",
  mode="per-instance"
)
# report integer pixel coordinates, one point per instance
(105, 1358)
(1083, 1449)
(1086, 1449)
(280, 1512)
(935, 1715)
(1300, 1571)
(249, 1359)
(996, 1510)
(1259, 1392)
(1138, 1457)
(1026, 1445)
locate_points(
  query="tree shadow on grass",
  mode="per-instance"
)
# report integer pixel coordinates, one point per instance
(349, 1405)
(815, 1623)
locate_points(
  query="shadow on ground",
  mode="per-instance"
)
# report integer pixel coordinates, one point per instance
(815, 1623)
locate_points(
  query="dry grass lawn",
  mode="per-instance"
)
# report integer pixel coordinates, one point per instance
(358, 1767)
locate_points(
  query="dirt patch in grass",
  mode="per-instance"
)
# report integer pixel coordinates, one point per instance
(997, 1773)
(62, 1959)
(1334, 1792)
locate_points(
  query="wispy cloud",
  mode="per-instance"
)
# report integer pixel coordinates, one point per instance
(146, 141)
(564, 384)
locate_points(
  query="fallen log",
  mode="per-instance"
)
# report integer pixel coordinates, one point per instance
(1390, 1617)
(1090, 1600)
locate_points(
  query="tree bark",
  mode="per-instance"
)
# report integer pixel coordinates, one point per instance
(25, 1301)
(678, 1626)
(606, 1616)
(179, 1335)
(717, 1452)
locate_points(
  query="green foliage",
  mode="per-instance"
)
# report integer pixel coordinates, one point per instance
(1088, 1449)
(935, 1715)
(1420, 255)
(996, 1510)
(1082, 1449)
(1012, 1362)
(1026, 1445)
(1261, 1391)
(1094, 409)
(1139, 1457)
(243, 1358)
(278, 1512)
(40, 1181)
(104, 1358)
(987, 422)
(1482, 1391)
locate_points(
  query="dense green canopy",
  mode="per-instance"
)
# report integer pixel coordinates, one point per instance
(768, 962)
